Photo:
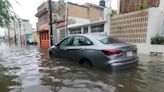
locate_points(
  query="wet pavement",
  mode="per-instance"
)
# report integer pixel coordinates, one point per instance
(29, 69)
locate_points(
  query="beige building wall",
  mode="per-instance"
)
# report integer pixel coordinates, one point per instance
(77, 10)
(92, 13)
(96, 14)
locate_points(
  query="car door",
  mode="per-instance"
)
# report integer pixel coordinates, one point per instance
(61, 49)
(78, 48)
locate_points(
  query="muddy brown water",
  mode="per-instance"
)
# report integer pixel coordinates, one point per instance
(29, 69)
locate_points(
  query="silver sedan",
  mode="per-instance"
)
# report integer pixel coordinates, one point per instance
(96, 50)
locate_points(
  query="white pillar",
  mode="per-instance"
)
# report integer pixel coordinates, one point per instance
(108, 3)
(82, 30)
(68, 32)
(161, 5)
(89, 29)
(107, 12)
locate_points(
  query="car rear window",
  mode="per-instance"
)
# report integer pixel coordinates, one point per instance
(108, 40)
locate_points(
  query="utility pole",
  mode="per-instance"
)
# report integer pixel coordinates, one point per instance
(15, 34)
(20, 31)
(50, 23)
(8, 33)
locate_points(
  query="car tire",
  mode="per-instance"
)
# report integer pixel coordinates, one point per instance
(86, 63)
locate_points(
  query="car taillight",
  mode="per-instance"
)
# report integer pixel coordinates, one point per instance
(112, 52)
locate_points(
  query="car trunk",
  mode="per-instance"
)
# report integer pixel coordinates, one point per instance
(128, 51)
(124, 46)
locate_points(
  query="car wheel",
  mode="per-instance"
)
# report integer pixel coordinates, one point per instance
(86, 63)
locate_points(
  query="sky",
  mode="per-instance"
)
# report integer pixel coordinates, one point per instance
(27, 9)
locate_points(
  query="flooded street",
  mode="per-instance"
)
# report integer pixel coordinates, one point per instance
(29, 69)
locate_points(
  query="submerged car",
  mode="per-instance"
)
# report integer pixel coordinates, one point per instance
(96, 50)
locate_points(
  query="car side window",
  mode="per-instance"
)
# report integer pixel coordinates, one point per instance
(81, 41)
(88, 42)
(66, 42)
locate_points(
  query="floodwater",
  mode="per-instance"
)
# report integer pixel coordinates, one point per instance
(29, 69)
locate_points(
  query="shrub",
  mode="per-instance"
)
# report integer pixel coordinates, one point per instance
(157, 40)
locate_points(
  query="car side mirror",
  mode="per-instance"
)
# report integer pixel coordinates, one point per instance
(56, 44)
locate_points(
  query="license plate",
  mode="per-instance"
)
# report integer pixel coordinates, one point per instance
(130, 53)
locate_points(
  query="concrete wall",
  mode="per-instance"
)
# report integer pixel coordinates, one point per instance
(147, 48)
(130, 27)
(161, 6)
(78, 11)
(96, 14)
(42, 6)
(91, 12)
(72, 20)
(155, 23)
(138, 25)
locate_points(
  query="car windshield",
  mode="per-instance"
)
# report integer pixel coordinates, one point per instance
(107, 40)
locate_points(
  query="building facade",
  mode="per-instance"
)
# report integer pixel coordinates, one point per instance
(80, 17)
(88, 11)
(75, 15)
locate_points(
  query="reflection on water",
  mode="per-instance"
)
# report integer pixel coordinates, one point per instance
(8, 82)
(29, 69)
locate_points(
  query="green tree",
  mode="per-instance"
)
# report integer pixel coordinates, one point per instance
(6, 14)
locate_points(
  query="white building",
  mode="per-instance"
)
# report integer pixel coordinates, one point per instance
(17, 31)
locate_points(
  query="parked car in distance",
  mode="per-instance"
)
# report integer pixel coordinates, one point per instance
(96, 50)
(30, 39)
